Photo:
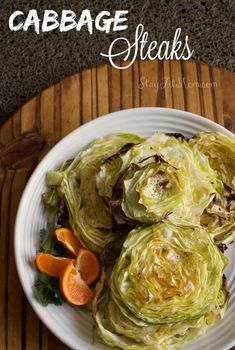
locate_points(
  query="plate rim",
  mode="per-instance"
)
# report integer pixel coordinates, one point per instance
(179, 114)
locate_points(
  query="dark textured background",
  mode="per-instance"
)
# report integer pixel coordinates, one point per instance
(30, 62)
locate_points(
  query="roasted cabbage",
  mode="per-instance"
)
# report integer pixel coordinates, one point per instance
(158, 212)
(166, 287)
(219, 216)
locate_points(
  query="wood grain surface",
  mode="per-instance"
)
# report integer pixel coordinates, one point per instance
(38, 125)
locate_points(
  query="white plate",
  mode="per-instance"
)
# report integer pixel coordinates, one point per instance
(69, 324)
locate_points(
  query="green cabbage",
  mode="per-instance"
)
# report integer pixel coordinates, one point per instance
(125, 180)
(153, 192)
(90, 217)
(159, 177)
(155, 210)
(219, 216)
(220, 150)
(165, 288)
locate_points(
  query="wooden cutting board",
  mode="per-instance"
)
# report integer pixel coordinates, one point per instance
(29, 134)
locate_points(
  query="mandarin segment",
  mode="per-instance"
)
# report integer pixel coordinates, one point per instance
(88, 265)
(51, 265)
(66, 237)
(73, 287)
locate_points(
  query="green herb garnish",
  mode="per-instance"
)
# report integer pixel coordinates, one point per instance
(48, 242)
(47, 290)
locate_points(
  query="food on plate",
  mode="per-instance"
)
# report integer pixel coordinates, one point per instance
(73, 287)
(51, 265)
(158, 178)
(143, 224)
(70, 276)
(75, 182)
(220, 151)
(68, 240)
(219, 215)
(88, 265)
(166, 287)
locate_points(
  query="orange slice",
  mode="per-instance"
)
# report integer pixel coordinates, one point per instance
(69, 240)
(51, 265)
(88, 265)
(73, 287)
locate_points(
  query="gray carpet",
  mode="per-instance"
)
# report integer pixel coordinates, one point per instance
(29, 63)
